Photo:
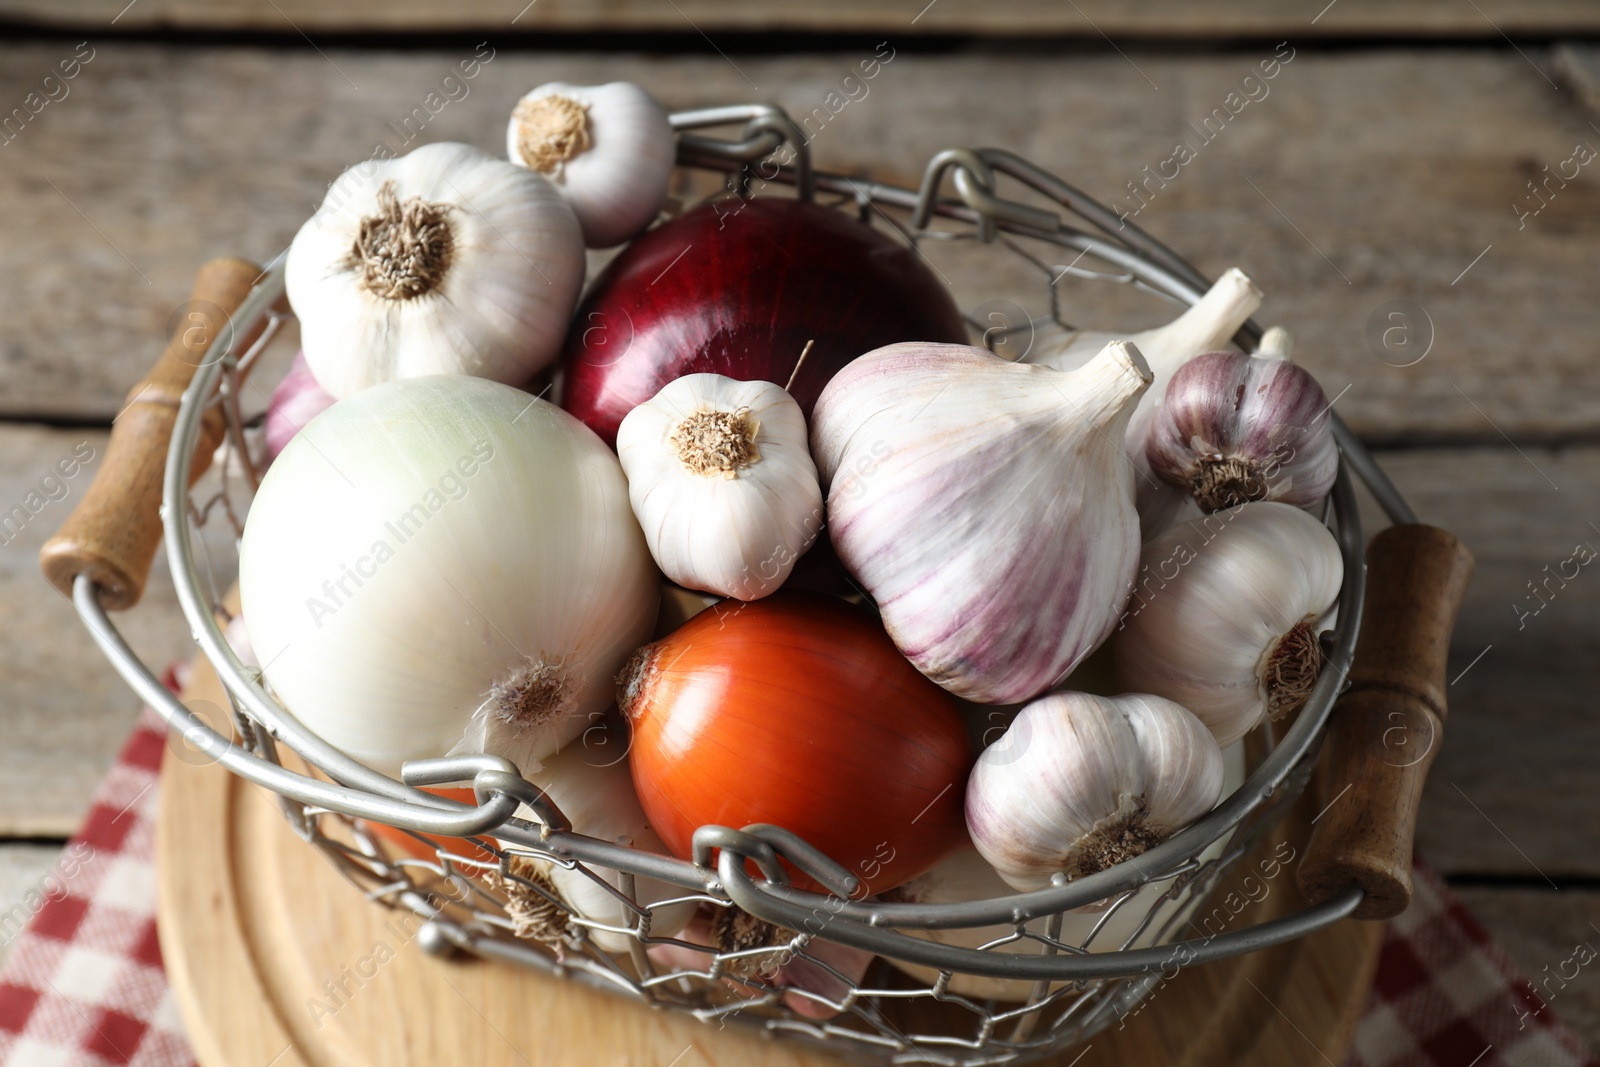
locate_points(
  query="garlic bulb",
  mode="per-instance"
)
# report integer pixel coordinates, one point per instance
(444, 261)
(1226, 611)
(1207, 326)
(445, 562)
(594, 790)
(1081, 783)
(608, 148)
(722, 483)
(985, 505)
(1235, 428)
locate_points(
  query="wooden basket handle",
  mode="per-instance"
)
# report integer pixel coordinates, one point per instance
(113, 533)
(1388, 726)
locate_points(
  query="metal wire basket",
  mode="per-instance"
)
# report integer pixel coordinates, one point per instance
(1079, 974)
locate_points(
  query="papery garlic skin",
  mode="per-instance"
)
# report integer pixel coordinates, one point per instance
(986, 506)
(444, 562)
(609, 149)
(1082, 783)
(1226, 611)
(444, 261)
(591, 786)
(1207, 326)
(1235, 428)
(721, 480)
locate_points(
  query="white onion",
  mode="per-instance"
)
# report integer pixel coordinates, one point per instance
(445, 553)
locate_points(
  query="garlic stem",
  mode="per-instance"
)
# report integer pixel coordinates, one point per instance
(1276, 343)
(550, 131)
(405, 249)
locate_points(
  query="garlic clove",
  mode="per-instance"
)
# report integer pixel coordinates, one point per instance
(444, 261)
(609, 149)
(1226, 611)
(1082, 783)
(1234, 428)
(946, 466)
(721, 479)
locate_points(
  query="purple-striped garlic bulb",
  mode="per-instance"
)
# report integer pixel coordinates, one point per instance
(986, 506)
(1234, 428)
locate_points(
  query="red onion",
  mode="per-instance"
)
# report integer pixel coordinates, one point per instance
(738, 288)
(296, 401)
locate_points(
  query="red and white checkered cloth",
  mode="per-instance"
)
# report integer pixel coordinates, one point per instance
(84, 986)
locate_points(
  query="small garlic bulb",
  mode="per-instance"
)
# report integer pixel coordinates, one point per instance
(987, 507)
(608, 148)
(594, 789)
(1235, 428)
(722, 483)
(1081, 783)
(1226, 611)
(444, 261)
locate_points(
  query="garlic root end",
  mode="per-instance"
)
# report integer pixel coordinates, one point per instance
(1289, 669)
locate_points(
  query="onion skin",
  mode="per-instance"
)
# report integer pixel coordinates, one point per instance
(797, 710)
(754, 283)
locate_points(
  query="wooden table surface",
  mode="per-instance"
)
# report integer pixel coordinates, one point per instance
(1391, 159)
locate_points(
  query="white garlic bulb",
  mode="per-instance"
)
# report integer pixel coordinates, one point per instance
(444, 261)
(593, 787)
(1226, 611)
(987, 507)
(722, 483)
(608, 148)
(1235, 428)
(1206, 327)
(1081, 783)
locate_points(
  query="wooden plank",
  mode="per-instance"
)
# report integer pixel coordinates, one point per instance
(1088, 19)
(1540, 931)
(24, 870)
(66, 711)
(1362, 178)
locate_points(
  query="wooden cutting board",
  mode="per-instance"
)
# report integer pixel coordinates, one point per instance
(277, 961)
